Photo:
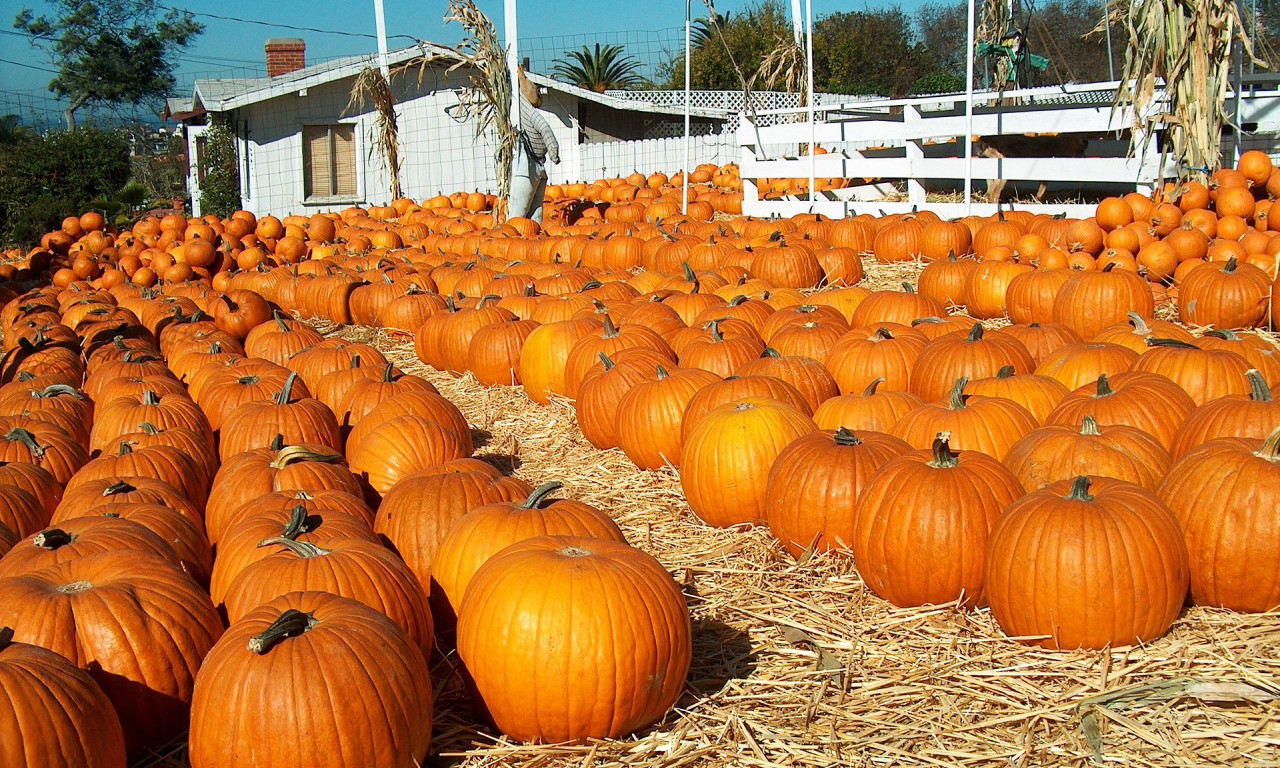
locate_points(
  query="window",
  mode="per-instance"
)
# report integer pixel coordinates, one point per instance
(329, 161)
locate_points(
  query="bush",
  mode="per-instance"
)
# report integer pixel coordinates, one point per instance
(937, 82)
(50, 177)
(220, 187)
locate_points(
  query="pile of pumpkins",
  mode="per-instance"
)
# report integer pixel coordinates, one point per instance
(165, 399)
(212, 517)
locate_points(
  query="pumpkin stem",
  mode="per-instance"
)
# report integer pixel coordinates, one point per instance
(957, 396)
(1109, 267)
(149, 397)
(844, 437)
(302, 549)
(231, 305)
(299, 523)
(1104, 387)
(882, 334)
(249, 380)
(1222, 333)
(1089, 426)
(688, 272)
(6, 637)
(296, 453)
(1260, 392)
(126, 448)
(53, 390)
(737, 300)
(1080, 489)
(610, 330)
(908, 288)
(20, 435)
(662, 373)
(287, 390)
(872, 387)
(605, 361)
(1270, 449)
(52, 538)
(1154, 341)
(716, 336)
(1139, 324)
(975, 333)
(387, 372)
(943, 456)
(1230, 267)
(277, 443)
(770, 352)
(355, 361)
(1006, 372)
(540, 495)
(278, 316)
(291, 623)
(119, 486)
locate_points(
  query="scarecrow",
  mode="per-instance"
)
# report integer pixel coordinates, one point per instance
(528, 163)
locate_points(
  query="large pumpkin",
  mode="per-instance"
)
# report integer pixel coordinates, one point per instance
(724, 466)
(920, 530)
(1127, 398)
(987, 424)
(135, 622)
(1230, 527)
(350, 665)
(649, 415)
(973, 356)
(52, 714)
(600, 631)
(1054, 453)
(814, 484)
(1086, 563)
(864, 355)
(1094, 299)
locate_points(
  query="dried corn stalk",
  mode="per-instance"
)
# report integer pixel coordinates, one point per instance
(784, 64)
(994, 19)
(372, 86)
(487, 100)
(1187, 45)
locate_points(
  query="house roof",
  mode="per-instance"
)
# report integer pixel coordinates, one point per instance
(225, 94)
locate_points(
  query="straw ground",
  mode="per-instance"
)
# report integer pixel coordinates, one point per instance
(799, 664)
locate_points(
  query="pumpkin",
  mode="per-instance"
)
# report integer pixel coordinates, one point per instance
(367, 393)
(312, 363)
(101, 495)
(544, 354)
(400, 446)
(973, 356)
(943, 280)
(1260, 353)
(409, 403)
(126, 414)
(79, 537)
(604, 386)
(867, 411)
(487, 529)
(162, 462)
(814, 485)
(1205, 374)
(45, 445)
(1078, 364)
(1232, 295)
(920, 526)
(864, 355)
(134, 621)
(495, 350)
(1038, 394)
(53, 714)
(1092, 300)
(899, 307)
(1030, 295)
(737, 388)
(1054, 453)
(1041, 339)
(314, 500)
(34, 480)
(325, 637)
(1086, 563)
(1250, 416)
(191, 549)
(419, 511)
(1229, 527)
(990, 425)
(601, 629)
(1135, 332)
(256, 423)
(1126, 399)
(807, 375)
(725, 462)
(361, 570)
(987, 285)
(281, 339)
(21, 512)
(648, 419)
(610, 340)
(239, 311)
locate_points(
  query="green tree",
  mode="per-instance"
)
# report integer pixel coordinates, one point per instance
(220, 186)
(867, 52)
(600, 70)
(732, 49)
(110, 51)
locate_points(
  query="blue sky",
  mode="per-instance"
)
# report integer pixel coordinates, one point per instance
(235, 31)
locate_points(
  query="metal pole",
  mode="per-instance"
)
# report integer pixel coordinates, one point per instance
(382, 37)
(813, 126)
(513, 59)
(796, 21)
(1111, 63)
(968, 114)
(687, 79)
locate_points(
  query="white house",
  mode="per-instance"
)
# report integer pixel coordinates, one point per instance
(302, 149)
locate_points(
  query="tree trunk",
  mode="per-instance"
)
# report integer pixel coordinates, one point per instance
(71, 111)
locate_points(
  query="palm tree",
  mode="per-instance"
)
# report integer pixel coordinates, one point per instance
(704, 29)
(600, 70)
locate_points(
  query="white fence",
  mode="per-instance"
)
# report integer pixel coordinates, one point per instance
(919, 128)
(619, 158)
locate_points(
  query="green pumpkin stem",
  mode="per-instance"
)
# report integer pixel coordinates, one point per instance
(148, 428)
(716, 336)
(388, 372)
(908, 288)
(299, 523)
(20, 435)
(957, 395)
(126, 448)
(1089, 426)
(292, 623)
(1006, 372)
(1230, 267)
(872, 387)
(149, 397)
(1260, 392)
(52, 538)
(610, 330)
(943, 456)
(975, 333)
(1104, 387)
(1155, 341)
(770, 352)
(844, 437)
(278, 316)
(119, 486)
(539, 495)
(302, 549)
(1139, 324)
(287, 390)
(606, 361)
(1080, 489)
(662, 373)
(231, 304)
(1270, 450)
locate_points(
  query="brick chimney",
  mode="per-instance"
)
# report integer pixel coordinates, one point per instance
(285, 55)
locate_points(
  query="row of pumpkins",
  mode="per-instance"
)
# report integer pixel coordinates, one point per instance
(348, 522)
(688, 344)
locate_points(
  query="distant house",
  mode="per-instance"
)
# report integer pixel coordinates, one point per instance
(303, 149)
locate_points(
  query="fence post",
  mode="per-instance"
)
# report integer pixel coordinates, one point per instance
(747, 158)
(915, 152)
